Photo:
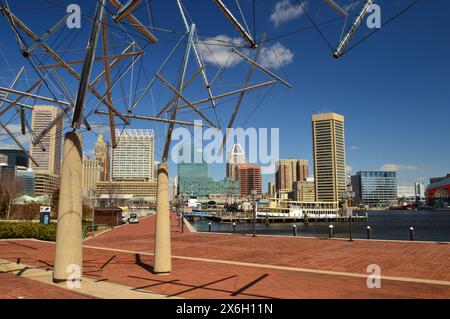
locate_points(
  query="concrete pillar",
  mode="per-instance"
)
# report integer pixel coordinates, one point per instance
(69, 254)
(163, 261)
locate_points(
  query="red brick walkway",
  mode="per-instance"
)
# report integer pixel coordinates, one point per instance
(221, 277)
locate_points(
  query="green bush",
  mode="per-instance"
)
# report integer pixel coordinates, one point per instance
(28, 230)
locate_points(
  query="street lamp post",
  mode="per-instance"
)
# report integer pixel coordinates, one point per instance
(182, 213)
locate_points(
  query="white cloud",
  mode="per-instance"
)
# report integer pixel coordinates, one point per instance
(398, 167)
(217, 50)
(354, 147)
(285, 11)
(276, 56)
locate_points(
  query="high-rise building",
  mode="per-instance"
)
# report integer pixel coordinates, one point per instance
(304, 191)
(49, 158)
(133, 158)
(329, 156)
(193, 179)
(18, 180)
(249, 177)
(15, 157)
(272, 189)
(290, 171)
(46, 183)
(101, 154)
(375, 188)
(91, 173)
(236, 158)
(302, 170)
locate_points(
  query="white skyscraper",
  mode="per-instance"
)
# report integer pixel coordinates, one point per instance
(236, 158)
(133, 158)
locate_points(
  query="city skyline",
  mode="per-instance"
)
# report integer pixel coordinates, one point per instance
(224, 150)
(375, 139)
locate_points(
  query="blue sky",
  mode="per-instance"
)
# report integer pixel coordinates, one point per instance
(392, 89)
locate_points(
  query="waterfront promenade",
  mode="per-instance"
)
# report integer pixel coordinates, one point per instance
(233, 266)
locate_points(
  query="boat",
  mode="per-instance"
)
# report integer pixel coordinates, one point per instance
(194, 204)
(404, 206)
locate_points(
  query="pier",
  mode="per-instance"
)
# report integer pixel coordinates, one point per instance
(268, 218)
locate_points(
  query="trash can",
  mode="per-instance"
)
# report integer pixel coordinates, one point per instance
(45, 215)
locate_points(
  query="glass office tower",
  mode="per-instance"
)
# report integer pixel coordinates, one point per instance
(375, 188)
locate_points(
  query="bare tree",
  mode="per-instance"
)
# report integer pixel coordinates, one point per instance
(11, 187)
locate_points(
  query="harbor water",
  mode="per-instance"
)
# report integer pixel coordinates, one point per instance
(390, 225)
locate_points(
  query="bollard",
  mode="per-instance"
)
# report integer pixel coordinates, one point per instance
(234, 227)
(369, 232)
(350, 228)
(209, 227)
(294, 229)
(331, 231)
(411, 233)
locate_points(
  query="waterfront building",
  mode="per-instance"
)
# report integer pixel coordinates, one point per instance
(101, 155)
(438, 192)
(304, 191)
(249, 177)
(133, 158)
(439, 179)
(205, 187)
(375, 188)
(46, 183)
(406, 193)
(193, 178)
(49, 157)
(91, 175)
(236, 158)
(290, 171)
(14, 157)
(419, 191)
(329, 156)
(128, 187)
(118, 192)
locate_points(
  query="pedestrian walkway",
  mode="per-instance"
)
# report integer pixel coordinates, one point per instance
(89, 288)
(237, 266)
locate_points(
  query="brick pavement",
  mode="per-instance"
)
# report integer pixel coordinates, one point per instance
(224, 266)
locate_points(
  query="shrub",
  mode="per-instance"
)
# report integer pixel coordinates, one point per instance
(28, 230)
